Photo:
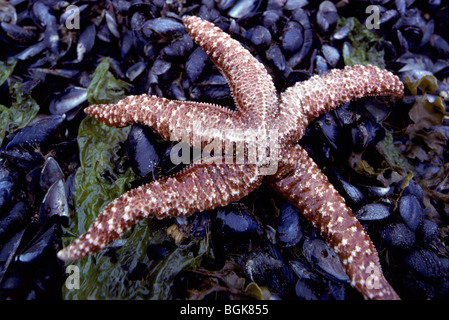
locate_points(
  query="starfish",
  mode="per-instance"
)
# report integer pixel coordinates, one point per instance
(255, 143)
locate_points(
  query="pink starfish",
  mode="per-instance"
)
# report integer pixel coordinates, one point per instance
(264, 122)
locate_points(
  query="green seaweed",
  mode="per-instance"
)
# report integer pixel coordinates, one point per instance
(363, 43)
(102, 277)
(425, 142)
(6, 69)
(23, 108)
(394, 158)
(427, 83)
(104, 87)
(98, 182)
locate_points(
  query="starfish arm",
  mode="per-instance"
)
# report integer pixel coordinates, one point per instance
(192, 122)
(251, 85)
(306, 100)
(202, 186)
(301, 182)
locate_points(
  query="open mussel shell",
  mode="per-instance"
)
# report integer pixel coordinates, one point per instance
(69, 102)
(51, 172)
(268, 268)
(324, 259)
(44, 243)
(55, 202)
(239, 8)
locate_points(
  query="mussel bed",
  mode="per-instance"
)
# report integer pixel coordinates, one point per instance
(58, 168)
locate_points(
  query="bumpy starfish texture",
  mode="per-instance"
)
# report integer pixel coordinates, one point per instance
(261, 118)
